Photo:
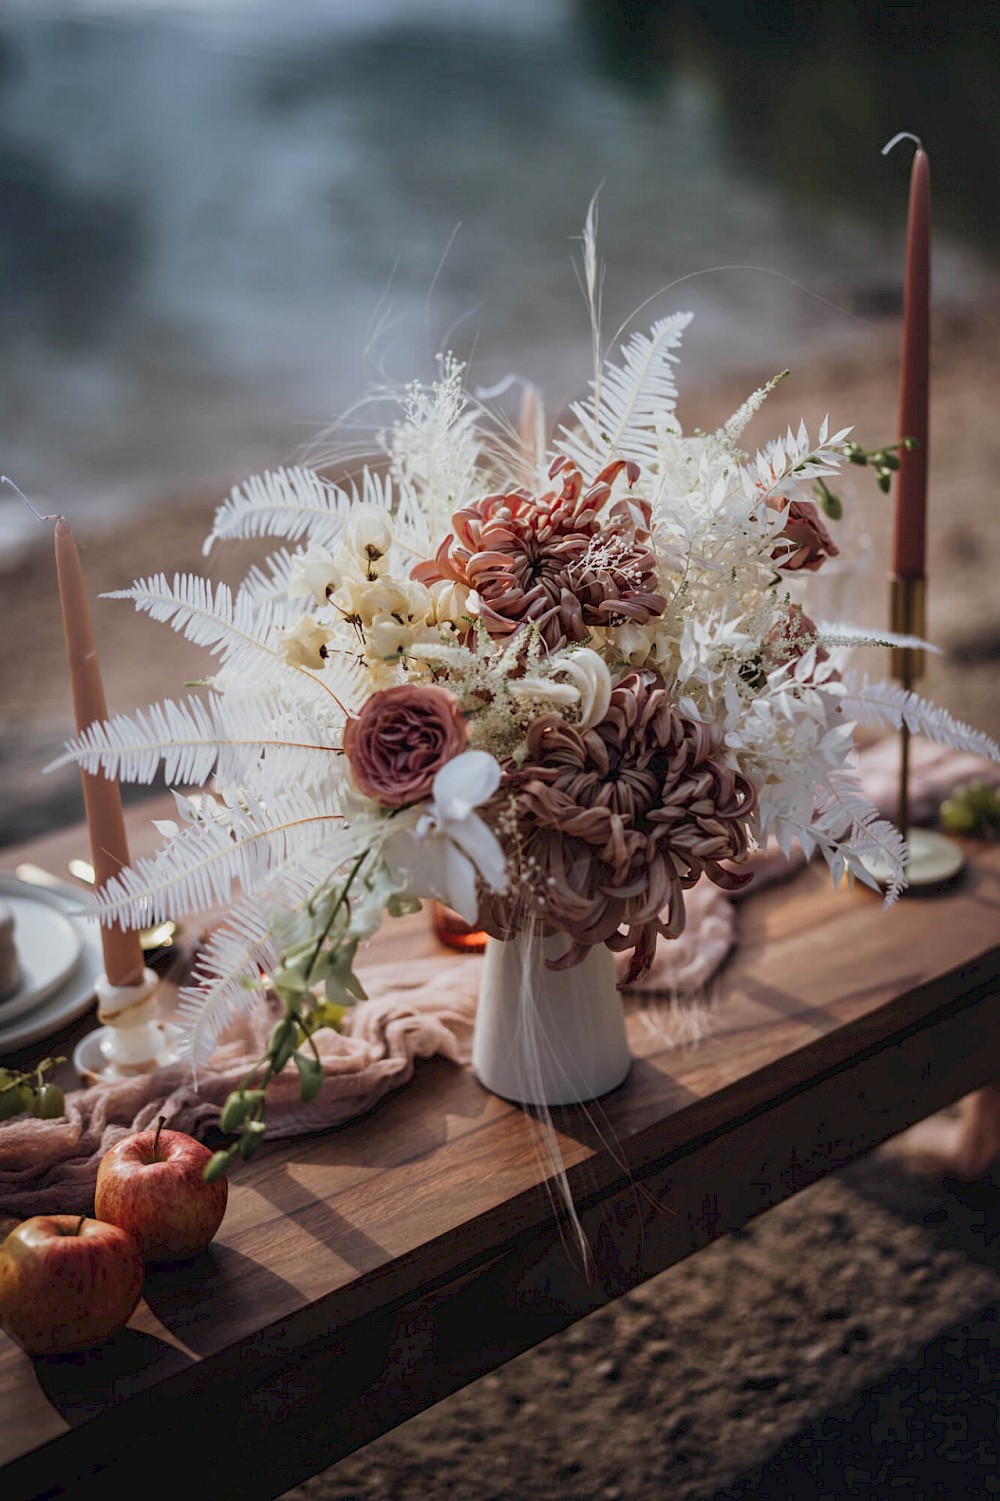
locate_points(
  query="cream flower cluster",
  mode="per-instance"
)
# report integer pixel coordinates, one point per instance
(354, 588)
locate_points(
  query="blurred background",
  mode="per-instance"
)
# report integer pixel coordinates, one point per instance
(219, 219)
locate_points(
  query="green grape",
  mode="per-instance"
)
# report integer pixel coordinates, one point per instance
(49, 1102)
(972, 809)
(15, 1099)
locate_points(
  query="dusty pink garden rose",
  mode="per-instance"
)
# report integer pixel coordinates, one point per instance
(805, 541)
(400, 741)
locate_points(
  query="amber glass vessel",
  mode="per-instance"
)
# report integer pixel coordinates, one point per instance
(454, 931)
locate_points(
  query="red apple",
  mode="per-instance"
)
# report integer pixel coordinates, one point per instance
(67, 1282)
(151, 1184)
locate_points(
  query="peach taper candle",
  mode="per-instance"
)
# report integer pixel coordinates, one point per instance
(909, 542)
(933, 859)
(123, 957)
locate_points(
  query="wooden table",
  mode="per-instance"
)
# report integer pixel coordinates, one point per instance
(362, 1275)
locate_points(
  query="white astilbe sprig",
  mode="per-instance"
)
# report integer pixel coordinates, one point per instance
(885, 705)
(287, 503)
(233, 737)
(196, 869)
(733, 430)
(632, 404)
(434, 453)
(842, 634)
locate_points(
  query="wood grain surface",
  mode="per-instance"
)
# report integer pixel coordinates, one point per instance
(362, 1274)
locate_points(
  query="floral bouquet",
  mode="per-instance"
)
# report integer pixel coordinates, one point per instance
(552, 687)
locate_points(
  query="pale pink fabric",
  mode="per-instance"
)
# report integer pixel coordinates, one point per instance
(51, 1166)
(424, 1008)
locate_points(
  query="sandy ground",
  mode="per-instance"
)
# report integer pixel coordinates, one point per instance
(846, 1343)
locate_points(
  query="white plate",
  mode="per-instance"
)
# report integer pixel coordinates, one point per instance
(75, 994)
(48, 945)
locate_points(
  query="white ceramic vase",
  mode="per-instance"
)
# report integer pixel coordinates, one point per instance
(548, 1037)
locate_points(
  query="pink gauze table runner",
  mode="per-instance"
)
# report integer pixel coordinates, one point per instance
(425, 1009)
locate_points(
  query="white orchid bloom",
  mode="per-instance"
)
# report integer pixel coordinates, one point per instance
(440, 854)
(588, 673)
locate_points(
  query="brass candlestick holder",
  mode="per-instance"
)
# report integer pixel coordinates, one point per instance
(934, 860)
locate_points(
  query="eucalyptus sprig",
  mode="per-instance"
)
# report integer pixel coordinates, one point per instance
(885, 461)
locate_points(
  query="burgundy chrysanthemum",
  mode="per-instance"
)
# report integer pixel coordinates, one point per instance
(548, 559)
(616, 822)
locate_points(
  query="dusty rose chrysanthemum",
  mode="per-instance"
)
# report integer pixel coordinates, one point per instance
(615, 822)
(548, 559)
(401, 739)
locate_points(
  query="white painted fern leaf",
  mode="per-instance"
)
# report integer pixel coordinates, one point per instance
(196, 737)
(282, 503)
(260, 587)
(211, 619)
(240, 632)
(624, 414)
(197, 869)
(849, 815)
(239, 950)
(884, 705)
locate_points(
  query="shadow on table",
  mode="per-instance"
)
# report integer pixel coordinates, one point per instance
(405, 1126)
(82, 1385)
(187, 1296)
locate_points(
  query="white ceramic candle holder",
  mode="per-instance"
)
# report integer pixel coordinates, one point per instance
(133, 1038)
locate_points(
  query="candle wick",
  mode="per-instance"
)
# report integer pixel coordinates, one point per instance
(37, 514)
(902, 135)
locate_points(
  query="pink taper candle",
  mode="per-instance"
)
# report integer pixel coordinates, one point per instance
(910, 527)
(123, 957)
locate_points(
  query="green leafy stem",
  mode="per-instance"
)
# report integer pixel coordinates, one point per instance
(326, 958)
(885, 461)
